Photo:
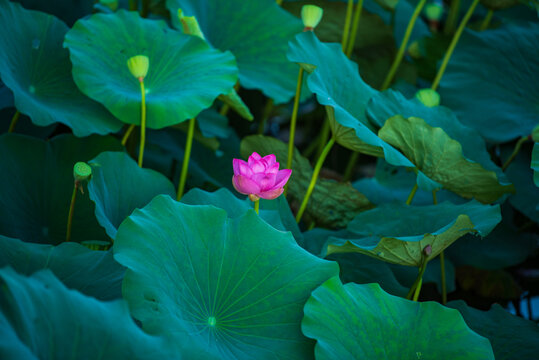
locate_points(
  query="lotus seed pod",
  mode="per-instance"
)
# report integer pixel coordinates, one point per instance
(311, 16)
(190, 25)
(434, 11)
(428, 97)
(138, 66)
(82, 171)
(111, 4)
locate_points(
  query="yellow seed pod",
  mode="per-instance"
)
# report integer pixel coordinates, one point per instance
(138, 66)
(190, 25)
(311, 16)
(428, 97)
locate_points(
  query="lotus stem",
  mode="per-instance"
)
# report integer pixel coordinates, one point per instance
(518, 145)
(224, 109)
(416, 286)
(316, 171)
(404, 44)
(324, 135)
(265, 115)
(412, 194)
(142, 123)
(71, 210)
(486, 21)
(186, 156)
(257, 206)
(452, 17)
(127, 134)
(294, 119)
(453, 44)
(347, 21)
(351, 165)
(355, 27)
(133, 5)
(14, 121)
(145, 10)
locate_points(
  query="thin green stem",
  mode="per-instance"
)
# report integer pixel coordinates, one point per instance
(145, 10)
(257, 206)
(417, 290)
(404, 45)
(142, 123)
(265, 116)
(452, 17)
(453, 44)
(127, 134)
(416, 286)
(316, 171)
(518, 145)
(347, 21)
(224, 109)
(133, 5)
(355, 27)
(71, 211)
(486, 21)
(294, 119)
(412, 194)
(14, 121)
(186, 156)
(351, 166)
(323, 139)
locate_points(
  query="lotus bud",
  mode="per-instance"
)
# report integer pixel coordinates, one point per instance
(82, 171)
(427, 250)
(190, 25)
(259, 177)
(138, 66)
(428, 97)
(311, 16)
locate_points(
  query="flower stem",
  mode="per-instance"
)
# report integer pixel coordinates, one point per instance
(186, 156)
(127, 134)
(224, 109)
(316, 171)
(14, 121)
(265, 115)
(257, 205)
(452, 17)
(294, 119)
(351, 165)
(404, 44)
(486, 20)
(324, 135)
(355, 26)
(145, 10)
(412, 194)
(518, 145)
(416, 286)
(453, 44)
(142, 123)
(347, 21)
(71, 211)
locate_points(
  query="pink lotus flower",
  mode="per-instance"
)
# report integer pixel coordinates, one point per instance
(259, 177)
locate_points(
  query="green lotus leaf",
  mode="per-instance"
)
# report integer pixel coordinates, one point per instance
(332, 204)
(275, 212)
(256, 32)
(52, 322)
(398, 233)
(512, 337)
(234, 100)
(535, 163)
(213, 124)
(488, 81)
(527, 193)
(221, 288)
(386, 104)
(338, 86)
(118, 186)
(39, 176)
(93, 273)
(363, 322)
(185, 75)
(440, 158)
(37, 69)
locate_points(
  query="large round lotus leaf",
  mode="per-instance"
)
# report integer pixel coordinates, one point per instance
(363, 322)
(257, 33)
(94, 273)
(512, 337)
(440, 158)
(37, 69)
(275, 212)
(184, 77)
(222, 288)
(118, 186)
(332, 204)
(336, 82)
(38, 178)
(489, 81)
(56, 323)
(398, 233)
